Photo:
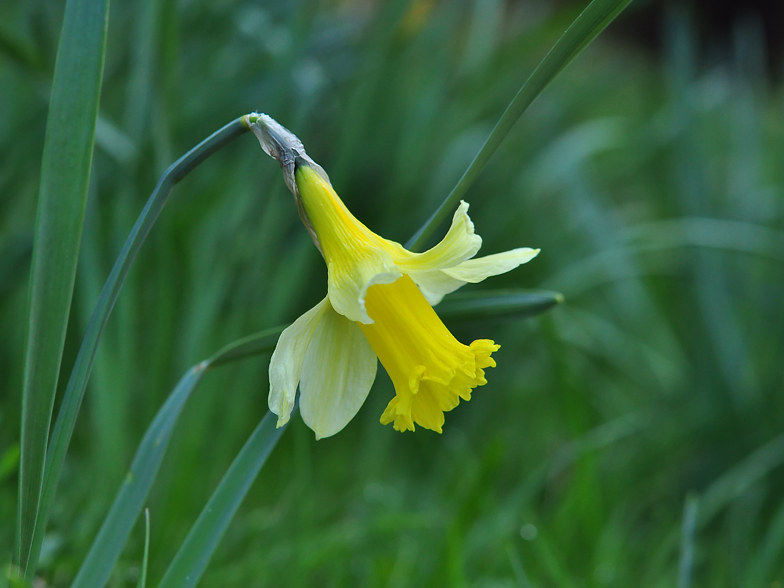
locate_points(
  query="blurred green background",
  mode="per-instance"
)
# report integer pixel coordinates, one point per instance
(651, 176)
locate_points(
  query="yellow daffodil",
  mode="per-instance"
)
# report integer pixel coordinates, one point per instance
(379, 304)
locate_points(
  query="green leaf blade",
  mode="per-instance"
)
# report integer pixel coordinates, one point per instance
(255, 344)
(65, 174)
(117, 526)
(490, 304)
(113, 535)
(146, 557)
(77, 383)
(196, 551)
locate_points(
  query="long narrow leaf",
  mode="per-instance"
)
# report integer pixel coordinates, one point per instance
(97, 566)
(740, 477)
(196, 551)
(486, 304)
(74, 393)
(688, 530)
(65, 175)
(592, 21)
(117, 525)
(146, 557)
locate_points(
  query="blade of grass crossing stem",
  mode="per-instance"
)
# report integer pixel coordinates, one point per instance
(592, 21)
(116, 527)
(65, 174)
(74, 392)
(197, 549)
(146, 557)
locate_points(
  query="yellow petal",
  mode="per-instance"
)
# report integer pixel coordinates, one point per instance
(350, 276)
(431, 370)
(435, 284)
(286, 363)
(476, 270)
(459, 244)
(356, 257)
(339, 370)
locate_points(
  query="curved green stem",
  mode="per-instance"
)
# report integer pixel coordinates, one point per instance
(74, 393)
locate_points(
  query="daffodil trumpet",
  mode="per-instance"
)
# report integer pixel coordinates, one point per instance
(379, 305)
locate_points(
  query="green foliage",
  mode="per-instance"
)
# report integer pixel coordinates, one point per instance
(653, 189)
(65, 172)
(97, 566)
(492, 304)
(77, 383)
(190, 561)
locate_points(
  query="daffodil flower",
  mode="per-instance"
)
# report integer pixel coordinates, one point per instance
(379, 304)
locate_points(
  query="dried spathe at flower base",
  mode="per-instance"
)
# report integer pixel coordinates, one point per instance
(379, 304)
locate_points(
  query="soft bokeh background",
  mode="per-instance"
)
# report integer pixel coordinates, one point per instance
(650, 174)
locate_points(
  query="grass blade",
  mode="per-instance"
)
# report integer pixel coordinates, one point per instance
(196, 551)
(65, 175)
(117, 525)
(740, 478)
(517, 567)
(688, 529)
(583, 30)
(486, 304)
(146, 557)
(97, 566)
(74, 393)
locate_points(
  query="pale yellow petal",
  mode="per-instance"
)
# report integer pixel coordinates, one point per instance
(459, 244)
(476, 270)
(285, 365)
(339, 370)
(348, 281)
(436, 284)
